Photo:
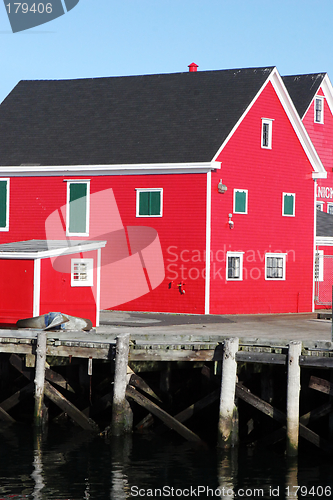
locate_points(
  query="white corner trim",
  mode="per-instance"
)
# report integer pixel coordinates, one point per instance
(36, 287)
(208, 240)
(98, 285)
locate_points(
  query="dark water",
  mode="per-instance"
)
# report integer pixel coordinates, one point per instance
(71, 464)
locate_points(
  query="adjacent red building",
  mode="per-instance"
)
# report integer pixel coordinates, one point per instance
(312, 95)
(201, 184)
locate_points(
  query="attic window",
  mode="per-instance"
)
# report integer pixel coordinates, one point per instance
(319, 110)
(266, 133)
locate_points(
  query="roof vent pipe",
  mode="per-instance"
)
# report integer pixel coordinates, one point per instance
(193, 67)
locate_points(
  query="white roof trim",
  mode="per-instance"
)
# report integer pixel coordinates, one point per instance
(44, 254)
(93, 170)
(324, 241)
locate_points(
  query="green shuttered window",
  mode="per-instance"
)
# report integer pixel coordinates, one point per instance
(78, 208)
(149, 203)
(288, 204)
(240, 201)
(4, 188)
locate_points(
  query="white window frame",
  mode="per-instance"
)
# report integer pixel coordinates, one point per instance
(269, 122)
(321, 205)
(148, 190)
(321, 100)
(238, 255)
(294, 204)
(246, 200)
(282, 256)
(329, 205)
(89, 263)
(319, 264)
(6, 179)
(77, 181)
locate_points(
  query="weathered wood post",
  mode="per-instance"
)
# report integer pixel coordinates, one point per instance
(39, 415)
(293, 393)
(122, 418)
(226, 426)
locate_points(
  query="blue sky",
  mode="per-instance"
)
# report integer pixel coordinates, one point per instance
(128, 37)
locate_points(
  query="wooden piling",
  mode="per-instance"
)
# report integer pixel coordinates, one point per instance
(121, 412)
(293, 394)
(39, 379)
(228, 388)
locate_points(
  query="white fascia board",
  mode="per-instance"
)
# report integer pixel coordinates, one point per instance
(95, 170)
(319, 171)
(45, 254)
(241, 119)
(324, 241)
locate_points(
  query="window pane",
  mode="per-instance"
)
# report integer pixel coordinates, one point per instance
(144, 203)
(234, 267)
(288, 204)
(77, 207)
(3, 203)
(265, 135)
(274, 267)
(155, 203)
(240, 201)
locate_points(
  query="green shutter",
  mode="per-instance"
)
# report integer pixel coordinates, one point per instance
(155, 203)
(240, 201)
(3, 203)
(288, 204)
(77, 207)
(144, 203)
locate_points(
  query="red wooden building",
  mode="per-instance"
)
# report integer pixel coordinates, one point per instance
(201, 183)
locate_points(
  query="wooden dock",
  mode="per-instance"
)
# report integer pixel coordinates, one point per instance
(221, 358)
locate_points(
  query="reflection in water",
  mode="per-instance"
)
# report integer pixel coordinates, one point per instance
(72, 464)
(37, 474)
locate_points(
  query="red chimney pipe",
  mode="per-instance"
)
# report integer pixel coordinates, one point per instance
(193, 67)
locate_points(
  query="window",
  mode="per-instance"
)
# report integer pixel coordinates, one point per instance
(320, 205)
(149, 202)
(234, 266)
(240, 201)
(319, 265)
(330, 208)
(82, 272)
(266, 133)
(288, 204)
(4, 204)
(319, 110)
(275, 266)
(78, 194)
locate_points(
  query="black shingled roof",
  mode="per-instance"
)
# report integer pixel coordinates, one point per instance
(324, 224)
(180, 117)
(302, 89)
